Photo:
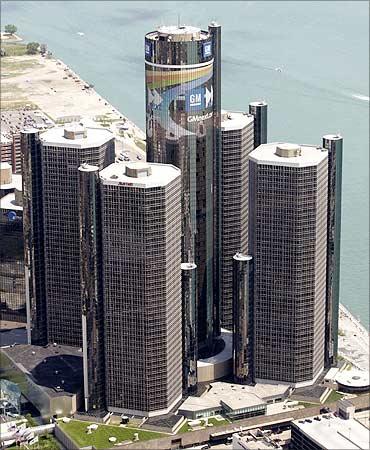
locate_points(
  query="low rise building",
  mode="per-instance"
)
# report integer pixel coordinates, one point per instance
(257, 440)
(50, 377)
(233, 400)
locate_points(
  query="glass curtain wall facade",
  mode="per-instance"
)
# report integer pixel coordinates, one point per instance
(259, 112)
(334, 145)
(237, 143)
(12, 286)
(141, 225)
(189, 324)
(180, 130)
(243, 318)
(33, 229)
(287, 237)
(61, 158)
(91, 289)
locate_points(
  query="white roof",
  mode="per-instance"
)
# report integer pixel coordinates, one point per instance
(8, 203)
(161, 175)
(335, 433)
(236, 396)
(15, 184)
(331, 373)
(95, 137)
(235, 120)
(266, 154)
(353, 378)
(174, 29)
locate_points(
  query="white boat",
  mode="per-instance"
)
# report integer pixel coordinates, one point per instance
(80, 33)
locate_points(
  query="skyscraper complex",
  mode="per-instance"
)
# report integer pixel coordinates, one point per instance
(287, 238)
(141, 264)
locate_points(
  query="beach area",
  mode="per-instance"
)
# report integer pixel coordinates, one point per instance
(353, 340)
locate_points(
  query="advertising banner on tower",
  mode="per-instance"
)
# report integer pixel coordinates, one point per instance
(179, 100)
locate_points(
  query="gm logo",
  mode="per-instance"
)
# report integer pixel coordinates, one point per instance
(148, 49)
(207, 49)
(195, 99)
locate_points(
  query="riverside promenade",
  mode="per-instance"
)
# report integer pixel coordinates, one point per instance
(353, 340)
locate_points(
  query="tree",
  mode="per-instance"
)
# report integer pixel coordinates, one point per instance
(32, 48)
(10, 29)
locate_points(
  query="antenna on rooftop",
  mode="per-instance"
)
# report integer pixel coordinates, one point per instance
(178, 20)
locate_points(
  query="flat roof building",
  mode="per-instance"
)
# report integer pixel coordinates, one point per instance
(141, 260)
(50, 377)
(287, 239)
(328, 432)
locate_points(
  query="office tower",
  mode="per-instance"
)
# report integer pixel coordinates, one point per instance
(259, 111)
(243, 318)
(63, 151)
(334, 145)
(91, 289)
(12, 289)
(287, 238)
(141, 227)
(180, 93)
(33, 231)
(237, 143)
(215, 31)
(189, 327)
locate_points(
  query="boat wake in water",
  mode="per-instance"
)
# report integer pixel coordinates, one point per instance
(364, 98)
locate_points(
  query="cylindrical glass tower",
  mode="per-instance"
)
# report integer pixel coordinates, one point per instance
(180, 131)
(242, 317)
(259, 111)
(334, 144)
(189, 325)
(91, 296)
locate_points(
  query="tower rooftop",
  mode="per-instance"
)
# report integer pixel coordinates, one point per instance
(288, 155)
(177, 33)
(235, 120)
(75, 135)
(137, 174)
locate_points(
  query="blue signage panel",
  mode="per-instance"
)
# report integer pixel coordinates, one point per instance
(207, 49)
(148, 49)
(195, 99)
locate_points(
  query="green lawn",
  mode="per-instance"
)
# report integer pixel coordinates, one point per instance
(212, 420)
(308, 404)
(13, 49)
(77, 431)
(333, 397)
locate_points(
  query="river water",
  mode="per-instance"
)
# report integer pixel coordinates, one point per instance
(321, 47)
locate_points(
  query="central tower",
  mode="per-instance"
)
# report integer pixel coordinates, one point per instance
(180, 127)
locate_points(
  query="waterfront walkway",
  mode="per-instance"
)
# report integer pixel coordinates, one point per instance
(353, 341)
